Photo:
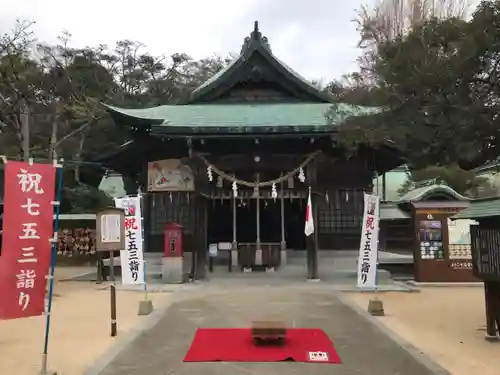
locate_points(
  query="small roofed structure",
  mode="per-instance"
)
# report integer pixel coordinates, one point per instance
(485, 240)
(436, 192)
(419, 223)
(397, 220)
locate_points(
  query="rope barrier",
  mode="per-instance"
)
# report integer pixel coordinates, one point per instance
(278, 180)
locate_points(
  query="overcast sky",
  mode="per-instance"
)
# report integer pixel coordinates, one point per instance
(317, 38)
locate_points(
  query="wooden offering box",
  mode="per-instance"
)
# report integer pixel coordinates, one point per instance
(268, 332)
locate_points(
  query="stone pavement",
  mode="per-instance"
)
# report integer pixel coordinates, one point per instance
(362, 346)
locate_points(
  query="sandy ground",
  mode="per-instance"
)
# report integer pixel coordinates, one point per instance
(446, 323)
(80, 328)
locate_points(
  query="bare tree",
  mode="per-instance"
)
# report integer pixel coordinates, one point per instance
(72, 109)
(387, 20)
(15, 86)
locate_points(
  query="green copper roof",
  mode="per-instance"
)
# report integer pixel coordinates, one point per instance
(258, 44)
(236, 118)
(480, 208)
(303, 109)
(391, 211)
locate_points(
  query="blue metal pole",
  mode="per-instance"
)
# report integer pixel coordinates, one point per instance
(52, 267)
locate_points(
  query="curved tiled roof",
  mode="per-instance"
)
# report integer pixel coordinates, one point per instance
(480, 209)
(239, 118)
(312, 111)
(425, 192)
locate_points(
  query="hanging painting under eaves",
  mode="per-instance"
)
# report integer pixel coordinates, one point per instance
(170, 175)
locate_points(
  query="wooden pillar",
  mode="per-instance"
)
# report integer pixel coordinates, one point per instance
(282, 203)
(257, 260)
(200, 232)
(310, 254)
(384, 187)
(202, 259)
(234, 247)
(311, 241)
(234, 222)
(283, 254)
(197, 241)
(315, 255)
(492, 301)
(257, 242)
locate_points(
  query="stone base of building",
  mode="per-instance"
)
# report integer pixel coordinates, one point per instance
(258, 260)
(172, 270)
(283, 257)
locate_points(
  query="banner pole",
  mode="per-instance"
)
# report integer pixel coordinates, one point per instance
(376, 274)
(141, 205)
(57, 203)
(378, 232)
(145, 281)
(378, 248)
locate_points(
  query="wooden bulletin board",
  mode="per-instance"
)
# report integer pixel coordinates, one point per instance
(110, 230)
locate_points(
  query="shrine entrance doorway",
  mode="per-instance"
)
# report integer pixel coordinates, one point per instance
(295, 215)
(248, 220)
(254, 232)
(219, 220)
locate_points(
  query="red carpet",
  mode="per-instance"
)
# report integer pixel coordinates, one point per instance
(236, 345)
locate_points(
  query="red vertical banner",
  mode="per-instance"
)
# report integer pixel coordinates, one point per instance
(26, 242)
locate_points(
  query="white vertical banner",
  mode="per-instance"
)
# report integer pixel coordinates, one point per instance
(368, 248)
(131, 258)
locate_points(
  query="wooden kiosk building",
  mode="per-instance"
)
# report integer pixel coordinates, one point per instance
(420, 224)
(233, 165)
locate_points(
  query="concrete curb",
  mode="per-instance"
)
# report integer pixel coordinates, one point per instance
(442, 285)
(77, 276)
(155, 288)
(393, 289)
(397, 287)
(416, 353)
(126, 339)
(410, 287)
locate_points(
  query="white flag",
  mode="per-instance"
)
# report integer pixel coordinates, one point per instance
(132, 258)
(309, 227)
(368, 248)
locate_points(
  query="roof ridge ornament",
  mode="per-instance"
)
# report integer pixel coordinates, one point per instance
(255, 39)
(256, 27)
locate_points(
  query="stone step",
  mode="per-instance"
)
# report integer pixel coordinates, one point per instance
(343, 267)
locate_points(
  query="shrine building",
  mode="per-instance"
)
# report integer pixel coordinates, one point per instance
(233, 165)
